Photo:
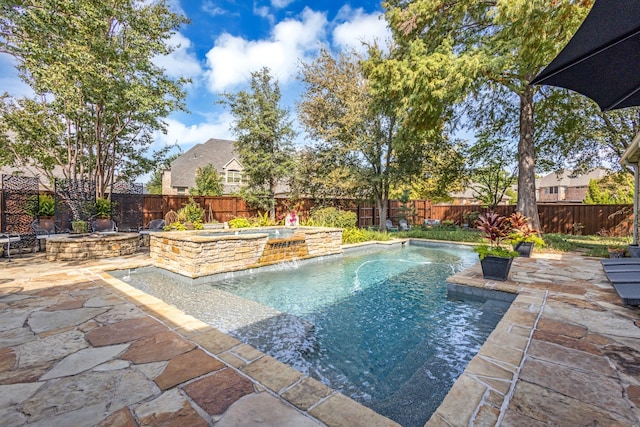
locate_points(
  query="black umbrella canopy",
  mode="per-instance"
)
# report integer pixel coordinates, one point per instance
(602, 60)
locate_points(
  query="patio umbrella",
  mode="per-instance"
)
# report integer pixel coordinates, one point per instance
(602, 60)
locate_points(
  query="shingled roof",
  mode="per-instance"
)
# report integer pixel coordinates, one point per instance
(218, 152)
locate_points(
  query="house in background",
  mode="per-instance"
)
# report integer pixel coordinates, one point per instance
(218, 152)
(566, 188)
(467, 197)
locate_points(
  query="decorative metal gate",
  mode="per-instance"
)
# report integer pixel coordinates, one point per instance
(18, 193)
(127, 205)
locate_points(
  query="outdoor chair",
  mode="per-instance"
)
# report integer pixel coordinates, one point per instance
(104, 227)
(7, 239)
(390, 226)
(42, 231)
(404, 226)
(428, 222)
(624, 277)
(153, 226)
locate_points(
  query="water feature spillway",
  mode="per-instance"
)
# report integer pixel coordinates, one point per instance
(196, 253)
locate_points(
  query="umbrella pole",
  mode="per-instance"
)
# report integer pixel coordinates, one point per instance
(636, 179)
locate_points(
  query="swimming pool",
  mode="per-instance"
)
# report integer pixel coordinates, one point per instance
(378, 325)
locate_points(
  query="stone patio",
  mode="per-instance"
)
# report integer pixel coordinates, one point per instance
(78, 347)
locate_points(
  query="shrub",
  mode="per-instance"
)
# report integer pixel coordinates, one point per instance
(43, 205)
(103, 208)
(359, 235)
(191, 212)
(262, 220)
(332, 217)
(239, 223)
(175, 226)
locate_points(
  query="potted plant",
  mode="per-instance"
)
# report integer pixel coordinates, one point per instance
(494, 259)
(42, 207)
(523, 237)
(103, 213)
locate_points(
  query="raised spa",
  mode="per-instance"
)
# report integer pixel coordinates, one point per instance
(202, 253)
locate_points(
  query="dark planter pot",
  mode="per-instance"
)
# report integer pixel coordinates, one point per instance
(524, 249)
(496, 268)
(634, 251)
(47, 223)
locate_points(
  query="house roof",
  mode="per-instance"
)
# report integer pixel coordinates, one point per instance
(218, 152)
(566, 179)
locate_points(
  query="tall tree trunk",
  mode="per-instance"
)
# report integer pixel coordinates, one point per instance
(382, 213)
(526, 161)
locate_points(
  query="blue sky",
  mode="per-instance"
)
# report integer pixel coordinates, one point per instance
(229, 39)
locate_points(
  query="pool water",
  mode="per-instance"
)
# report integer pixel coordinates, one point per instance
(377, 325)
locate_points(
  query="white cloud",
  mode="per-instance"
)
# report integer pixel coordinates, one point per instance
(232, 59)
(181, 62)
(213, 10)
(279, 4)
(187, 135)
(360, 27)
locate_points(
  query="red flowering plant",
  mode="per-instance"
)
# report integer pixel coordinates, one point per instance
(522, 232)
(495, 228)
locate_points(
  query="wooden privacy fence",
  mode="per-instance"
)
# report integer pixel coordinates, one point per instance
(614, 220)
(225, 208)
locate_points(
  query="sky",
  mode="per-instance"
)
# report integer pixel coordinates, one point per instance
(228, 39)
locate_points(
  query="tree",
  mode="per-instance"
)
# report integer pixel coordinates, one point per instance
(612, 189)
(98, 95)
(208, 182)
(361, 124)
(264, 139)
(154, 186)
(483, 49)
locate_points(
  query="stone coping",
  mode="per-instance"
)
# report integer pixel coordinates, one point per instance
(91, 237)
(252, 233)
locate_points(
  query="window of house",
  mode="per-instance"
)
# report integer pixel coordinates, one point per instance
(551, 190)
(181, 190)
(234, 177)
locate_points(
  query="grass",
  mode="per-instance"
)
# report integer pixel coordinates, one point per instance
(554, 242)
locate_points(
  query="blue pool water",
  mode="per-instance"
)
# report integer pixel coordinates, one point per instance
(377, 325)
(273, 233)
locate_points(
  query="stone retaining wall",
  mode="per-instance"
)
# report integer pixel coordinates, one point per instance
(91, 247)
(194, 255)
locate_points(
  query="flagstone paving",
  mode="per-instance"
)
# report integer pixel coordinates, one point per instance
(78, 347)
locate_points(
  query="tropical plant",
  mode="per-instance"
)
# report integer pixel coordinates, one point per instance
(191, 212)
(103, 208)
(495, 229)
(42, 206)
(522, 232)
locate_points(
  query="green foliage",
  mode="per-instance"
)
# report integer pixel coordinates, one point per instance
(358, 235)
(486, 250)
(208, 182)
(366, 144)
(264, 138)
(474, 60)
(332, 217)
(103, 208)
(239, 223)
(79, 226)
(612, 189)
(589, 245)
(175, 226)
(43, 205)
(154, 186)
(521, 231)
(191, 212)
(99, 95)
(263, 220)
